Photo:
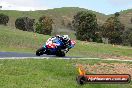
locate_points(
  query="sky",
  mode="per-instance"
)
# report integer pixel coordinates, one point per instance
(102, 6)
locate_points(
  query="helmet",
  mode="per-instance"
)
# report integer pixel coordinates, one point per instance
(66, 37)
(58, 36)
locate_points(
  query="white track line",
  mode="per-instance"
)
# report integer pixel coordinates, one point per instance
(110, 59)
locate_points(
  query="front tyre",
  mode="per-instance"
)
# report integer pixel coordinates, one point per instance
(40, 51)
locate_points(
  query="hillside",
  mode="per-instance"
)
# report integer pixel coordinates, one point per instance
(66, 14)
(57, 14)
(125, 16)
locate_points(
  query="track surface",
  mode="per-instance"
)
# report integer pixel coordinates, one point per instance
(15, 55)
(26, 55)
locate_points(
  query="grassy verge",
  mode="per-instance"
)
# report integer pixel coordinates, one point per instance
(97, 49)
(20, 41)
(30, 73)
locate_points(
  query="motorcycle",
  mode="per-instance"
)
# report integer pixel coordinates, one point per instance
(54, 47)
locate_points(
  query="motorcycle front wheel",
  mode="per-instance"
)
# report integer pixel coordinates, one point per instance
(40, 51)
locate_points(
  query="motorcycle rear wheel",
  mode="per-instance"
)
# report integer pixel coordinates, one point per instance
(60, 53)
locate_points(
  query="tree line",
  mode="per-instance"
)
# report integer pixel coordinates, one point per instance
(43, 26)
(112, 31)
(84, 23)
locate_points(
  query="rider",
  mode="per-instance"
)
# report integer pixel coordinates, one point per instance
(65, 39)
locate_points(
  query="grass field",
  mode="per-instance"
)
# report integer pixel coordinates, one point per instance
(20, 41)
(31, 73)
(15, 40)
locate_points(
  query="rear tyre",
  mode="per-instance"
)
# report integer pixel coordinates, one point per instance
(60, 54)
(40, 51)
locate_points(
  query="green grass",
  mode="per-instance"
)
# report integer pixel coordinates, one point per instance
(20, 41)
(96, 49)
(53, 73)
(16, 40)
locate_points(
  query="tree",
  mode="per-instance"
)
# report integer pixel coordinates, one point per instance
(44, 25)
(127, 37)
(25, 23)
(85, 25)
(113, 29)
(117, 14)
(4, 19)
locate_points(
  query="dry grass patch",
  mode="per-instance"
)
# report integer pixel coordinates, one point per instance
(109, 68)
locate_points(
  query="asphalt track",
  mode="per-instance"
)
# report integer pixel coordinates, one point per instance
(16, 55)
